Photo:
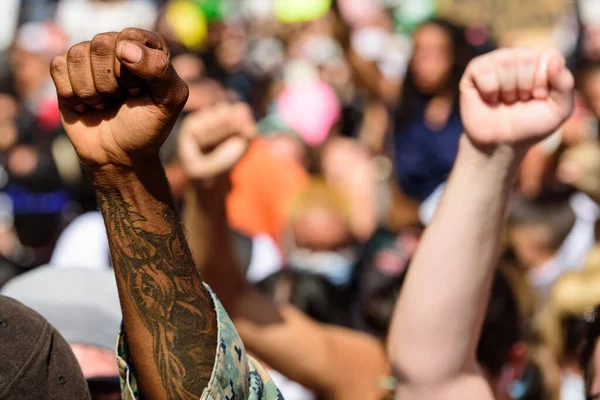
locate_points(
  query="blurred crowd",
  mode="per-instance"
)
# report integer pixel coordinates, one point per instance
(355, 103)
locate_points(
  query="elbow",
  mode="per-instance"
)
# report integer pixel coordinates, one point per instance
(415, 366)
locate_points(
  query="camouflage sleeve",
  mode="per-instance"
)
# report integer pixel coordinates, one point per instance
(235, 374)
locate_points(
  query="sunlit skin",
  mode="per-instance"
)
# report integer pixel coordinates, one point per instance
(95, 362)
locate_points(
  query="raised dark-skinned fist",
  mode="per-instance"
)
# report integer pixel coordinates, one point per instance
(119, 97)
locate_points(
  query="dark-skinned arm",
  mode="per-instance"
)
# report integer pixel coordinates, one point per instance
(168, 315)
(119, 97)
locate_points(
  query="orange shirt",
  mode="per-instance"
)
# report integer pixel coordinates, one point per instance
(263, 186)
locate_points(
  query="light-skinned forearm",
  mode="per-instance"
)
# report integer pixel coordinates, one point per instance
(436, 324)
(168, 315)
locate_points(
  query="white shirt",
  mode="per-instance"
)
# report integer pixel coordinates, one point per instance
(82, 19)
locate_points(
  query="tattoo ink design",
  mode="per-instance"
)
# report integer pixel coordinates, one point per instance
(166, 289)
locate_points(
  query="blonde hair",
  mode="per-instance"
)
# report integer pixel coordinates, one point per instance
(573, 295)
(320, 194)
(592, 260)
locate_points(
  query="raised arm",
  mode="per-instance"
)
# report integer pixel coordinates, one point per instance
(510, 99)
(119, 98)
(335, 363)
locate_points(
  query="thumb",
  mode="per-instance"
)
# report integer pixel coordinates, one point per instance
(559, 77)
(153, 65)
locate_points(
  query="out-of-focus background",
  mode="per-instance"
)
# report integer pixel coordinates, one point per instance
(356, 105)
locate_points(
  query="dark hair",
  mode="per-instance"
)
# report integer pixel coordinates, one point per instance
(379, 307)
(412, 101)
(588, 346)
(501, 328)
(311, 293)
(575, 329)
(557, 215)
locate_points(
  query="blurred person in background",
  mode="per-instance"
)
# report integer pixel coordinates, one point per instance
(319, 238)
(284, 142)
(428, 123)
(570, 307)
(537, 232)
(349, 166)
(83, 305)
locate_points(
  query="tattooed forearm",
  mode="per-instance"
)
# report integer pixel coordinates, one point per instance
(149, 250)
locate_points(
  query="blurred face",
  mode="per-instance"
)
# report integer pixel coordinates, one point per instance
(30, 72)
(288, 148)
(324, 246)
(321, 230)
(531, 244)
(432, 60)
(340, 158)
(231, 49)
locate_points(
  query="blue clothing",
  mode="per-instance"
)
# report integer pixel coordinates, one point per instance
(424, 157)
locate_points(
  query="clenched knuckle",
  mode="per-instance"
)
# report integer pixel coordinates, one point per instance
(57, 65)
(85, 93)
(78, 53)
(103, 43)
(132, 32)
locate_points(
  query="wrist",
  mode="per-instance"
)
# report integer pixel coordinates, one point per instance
(499, 156)
(210, 195)
(115, 175)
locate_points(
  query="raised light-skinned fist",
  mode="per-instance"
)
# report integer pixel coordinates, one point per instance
(212, 141)
(119, 96)
(515, 96)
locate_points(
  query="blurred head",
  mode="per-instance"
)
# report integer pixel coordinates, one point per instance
(288, 147)
(35, 45)
(440, 56)
(283, 141)
(319, 219)
(321, 240)
(231, 47)
(432, 63)
(189, 67)
(83, 305)
(572, 301)
(537, 229)
(37, 361)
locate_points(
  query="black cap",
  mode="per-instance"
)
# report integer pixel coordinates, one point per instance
(35, 360)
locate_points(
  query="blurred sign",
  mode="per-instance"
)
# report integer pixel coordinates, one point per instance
(504, 16)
